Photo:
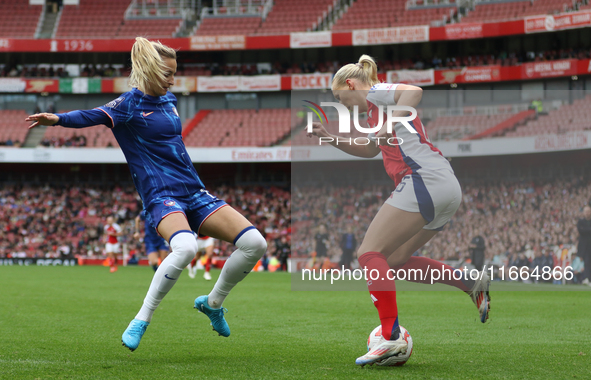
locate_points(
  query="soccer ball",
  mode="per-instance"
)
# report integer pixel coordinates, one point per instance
(393, 361)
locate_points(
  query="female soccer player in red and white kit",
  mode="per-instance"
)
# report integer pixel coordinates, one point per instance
(112, 232)
(427, 195)
(205, 247)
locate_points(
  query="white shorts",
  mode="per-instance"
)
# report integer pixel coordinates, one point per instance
(109, 247)
(204, 243)
(435, 194)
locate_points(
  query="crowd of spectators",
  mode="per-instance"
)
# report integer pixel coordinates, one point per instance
(14, 70)
(503, 58)
(11, 143)
(520, 221)
(524, 224)
(73, 141)
(46, 221)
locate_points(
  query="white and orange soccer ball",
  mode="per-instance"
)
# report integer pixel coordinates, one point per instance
(393, 361)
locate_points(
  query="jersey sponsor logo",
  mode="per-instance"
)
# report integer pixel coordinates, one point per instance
(115, 103)
(147, 114)
(169, 202)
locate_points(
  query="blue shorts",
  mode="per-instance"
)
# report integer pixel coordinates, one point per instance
(153, 241)
(196, 208)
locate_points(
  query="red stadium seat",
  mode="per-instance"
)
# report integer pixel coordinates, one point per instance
(18, 19)
(264, 127)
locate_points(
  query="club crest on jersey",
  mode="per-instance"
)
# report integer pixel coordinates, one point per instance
(115, 103)
(169, 202)
(175, 111)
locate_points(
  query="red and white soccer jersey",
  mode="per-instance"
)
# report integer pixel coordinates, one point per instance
(204, 242)
(416, 152)
(424, 179)
(112, 241)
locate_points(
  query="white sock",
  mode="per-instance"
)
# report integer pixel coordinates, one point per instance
(184, 247)
(251, 247)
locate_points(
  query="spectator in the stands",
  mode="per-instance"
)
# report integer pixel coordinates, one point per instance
(578, 268)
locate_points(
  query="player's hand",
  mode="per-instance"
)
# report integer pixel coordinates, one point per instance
(42, 119)
(136, 235)
(318, 130)
(382, 136)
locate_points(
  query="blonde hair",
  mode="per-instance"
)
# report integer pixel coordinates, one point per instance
(147, 65)
(365, 70)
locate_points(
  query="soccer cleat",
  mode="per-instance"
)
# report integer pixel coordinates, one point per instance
(218, 322)
(383, 350)
(480, 295)
(133, 334)
(113, 269)
(207, 276)
(192, 271)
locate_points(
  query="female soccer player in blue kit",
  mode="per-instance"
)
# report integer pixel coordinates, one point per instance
(156, 247)
(147, 126)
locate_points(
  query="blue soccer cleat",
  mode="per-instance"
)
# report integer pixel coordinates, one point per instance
(133, 334)
(215, 315)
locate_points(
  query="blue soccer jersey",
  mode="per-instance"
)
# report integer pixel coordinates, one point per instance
(148, 129)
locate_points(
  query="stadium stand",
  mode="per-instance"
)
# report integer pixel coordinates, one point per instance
(18, 18)
(149, 28)
(206, 69)
(92, 19)
(79, 225)
(367, 14)
(456, 127)
(13, 128)
(503, 126)
(228, 26)
(105, 19)
(495, 11)
(288, 16)
(491, 208)
(249, 127)
(568, 118)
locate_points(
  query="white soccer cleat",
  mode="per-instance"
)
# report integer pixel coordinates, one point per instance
(384, 350)
(192, 271)
(207, 276)
(480, 296)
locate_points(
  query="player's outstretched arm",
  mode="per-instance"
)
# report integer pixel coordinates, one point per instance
(366, 151)
(74, 119)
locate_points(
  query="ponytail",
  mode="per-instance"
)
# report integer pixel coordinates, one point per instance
(365, 70)
(147, 65)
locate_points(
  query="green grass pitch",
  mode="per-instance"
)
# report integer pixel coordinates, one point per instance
(66, 323)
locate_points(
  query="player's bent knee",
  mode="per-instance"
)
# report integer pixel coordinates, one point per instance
(184, 245)
(252, 243)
